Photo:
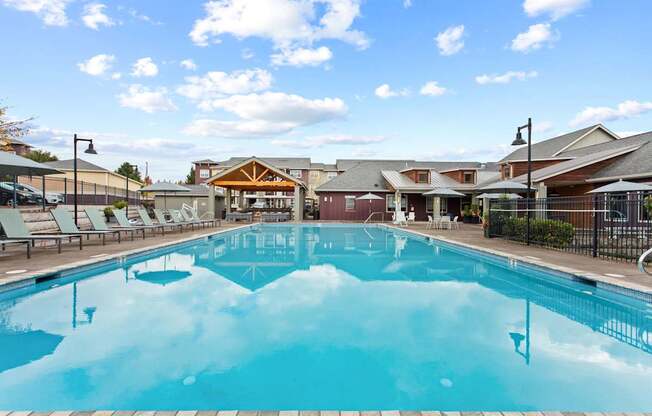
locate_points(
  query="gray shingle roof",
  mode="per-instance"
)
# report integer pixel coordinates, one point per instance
(81, 165)
(638, 162)
(548, 148)
(363, 176)
(401, 182)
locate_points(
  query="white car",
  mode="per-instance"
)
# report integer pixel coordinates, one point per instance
(50, 197)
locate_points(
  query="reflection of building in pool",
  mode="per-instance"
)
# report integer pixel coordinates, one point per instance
(372, 254)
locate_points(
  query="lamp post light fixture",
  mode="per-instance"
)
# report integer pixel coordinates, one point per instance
(91, 151)
(518, 141)
(127, 188)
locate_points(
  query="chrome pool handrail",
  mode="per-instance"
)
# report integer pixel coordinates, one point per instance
(641, 261)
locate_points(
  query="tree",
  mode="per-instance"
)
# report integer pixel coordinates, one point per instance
(41, 156)
(131, 172)
(10, 128)
(190, 178)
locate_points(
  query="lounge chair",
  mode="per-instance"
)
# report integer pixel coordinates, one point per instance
(399, 219)
(215, 222)
(121, 216)
(411, 216)
(160, 218)
(189, 219)
(5, 241)
(97, 222)
(67, 225)
(177, 218)
(16, 229)
(147, 221)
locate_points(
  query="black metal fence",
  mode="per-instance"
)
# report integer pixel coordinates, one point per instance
(612, 226)
(87, 193)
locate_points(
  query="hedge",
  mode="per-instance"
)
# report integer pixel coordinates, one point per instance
(558, 234)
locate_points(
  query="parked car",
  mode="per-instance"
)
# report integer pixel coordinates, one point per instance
(22, 197)
(53, 198)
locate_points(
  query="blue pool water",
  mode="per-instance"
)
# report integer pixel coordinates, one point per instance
(322, 317)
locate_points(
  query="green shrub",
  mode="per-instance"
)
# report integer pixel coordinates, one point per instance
(648, 204)
(119, 204)
(108, 212)
(558, 234)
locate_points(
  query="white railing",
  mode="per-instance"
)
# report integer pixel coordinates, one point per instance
(382, 218)
(641, 261)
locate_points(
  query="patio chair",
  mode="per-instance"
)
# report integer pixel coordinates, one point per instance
(16, 229)
(96, 217)
(124, 223)
(147, 221)
(455, 224)
(160, 218)
(411, 216)
(399, 219)
(67, 225)
(445, 222)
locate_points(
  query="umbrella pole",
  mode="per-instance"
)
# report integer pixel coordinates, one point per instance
(15, 193)
(43, 187)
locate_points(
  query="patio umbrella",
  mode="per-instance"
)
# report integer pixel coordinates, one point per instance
(443, 192)
(621, 187)
(164, 187)
(14, 165)
(369, 197)
(498, 196)
(505, 187)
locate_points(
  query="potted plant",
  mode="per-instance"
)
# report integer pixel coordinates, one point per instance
(475, 213)
(108, 211)
(466, 215)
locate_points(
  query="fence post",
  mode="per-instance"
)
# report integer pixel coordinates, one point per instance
(595, 226)
(65, 191)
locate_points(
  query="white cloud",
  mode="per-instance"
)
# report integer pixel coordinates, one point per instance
(286, 23)
(450, 40)
(407, 3)
(267, 114)
(432, 88)
(218, 84)
(97, 65)
(142, 17)
(94, 16)
(51, 12)
(188, 64)
(385, 91)
(626, 109)
(535, 37)
(505, 78)
(247, 53)
(554, 8)
(302, 57)
(328, 140)
(116, 75)
(144, 67)
(146, 99)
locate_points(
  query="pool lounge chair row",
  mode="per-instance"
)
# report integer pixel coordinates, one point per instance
(16, 231)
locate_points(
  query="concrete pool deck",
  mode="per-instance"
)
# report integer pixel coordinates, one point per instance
(16, 268)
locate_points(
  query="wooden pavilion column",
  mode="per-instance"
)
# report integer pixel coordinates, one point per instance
(227, 199)
(299, 201)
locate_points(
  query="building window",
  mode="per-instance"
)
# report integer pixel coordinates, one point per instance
(349, 203)
(295, 173)
(204, 173)
(507, 172)
(429, 204)
(389, 201)
(331, 175)
(422, 177)
(468, 177)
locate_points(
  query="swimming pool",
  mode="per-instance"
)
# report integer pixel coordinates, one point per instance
(322, 317)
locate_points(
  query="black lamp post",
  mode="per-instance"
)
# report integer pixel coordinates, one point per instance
(518, 141)
(91, 151)
(127, 188)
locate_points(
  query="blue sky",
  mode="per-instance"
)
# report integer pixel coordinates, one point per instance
(169, 82)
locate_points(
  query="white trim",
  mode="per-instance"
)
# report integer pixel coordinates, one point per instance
(599, 126)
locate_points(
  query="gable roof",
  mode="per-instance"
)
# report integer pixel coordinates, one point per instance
(576, 163)
(633, 165)
(401, 182)
(362, 177)
(552, 148)
(68, 164)
(261, 162)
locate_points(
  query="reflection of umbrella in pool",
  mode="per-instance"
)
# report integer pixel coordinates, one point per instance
(162, 277)
(164, 188)
(20, 348)
(621, 187)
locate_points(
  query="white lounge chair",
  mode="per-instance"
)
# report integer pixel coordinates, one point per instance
(455, 225)
(399, 219)
(411, 216)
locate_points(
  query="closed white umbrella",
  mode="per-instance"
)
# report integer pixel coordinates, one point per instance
(621, 187)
